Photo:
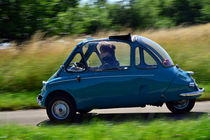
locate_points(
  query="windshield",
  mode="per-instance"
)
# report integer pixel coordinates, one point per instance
(162, 55)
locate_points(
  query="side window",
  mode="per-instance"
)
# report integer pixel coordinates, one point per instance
(137, 56)
(91, 56)
(122, 51)
(107, 55)
(114, 55)
(93, 60)
(76, 64)
(149, 60)
(144, 61)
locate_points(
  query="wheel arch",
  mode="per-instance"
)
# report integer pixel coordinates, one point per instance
(59, 93)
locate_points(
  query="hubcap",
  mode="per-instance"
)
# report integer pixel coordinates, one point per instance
(181, 104)
(60, 109)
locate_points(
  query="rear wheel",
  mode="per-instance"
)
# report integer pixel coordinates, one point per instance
(61, 108)
(182, 106)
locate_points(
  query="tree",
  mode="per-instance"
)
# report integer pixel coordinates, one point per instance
(19, 19)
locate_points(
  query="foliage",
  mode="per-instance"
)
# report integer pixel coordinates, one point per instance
(20, 19)
(97, 129)
(17, 101)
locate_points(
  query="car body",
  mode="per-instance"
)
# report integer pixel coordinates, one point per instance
(119, 71)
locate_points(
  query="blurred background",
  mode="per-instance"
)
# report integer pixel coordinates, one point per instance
(20, 19)
(36, 36)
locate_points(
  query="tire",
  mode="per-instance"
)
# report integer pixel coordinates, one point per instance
(84, 111)
(179, 107)
(61, 108)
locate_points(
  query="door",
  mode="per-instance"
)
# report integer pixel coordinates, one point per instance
(108, 81)
(154, 80)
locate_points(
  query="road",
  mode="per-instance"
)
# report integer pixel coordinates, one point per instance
(38, 116)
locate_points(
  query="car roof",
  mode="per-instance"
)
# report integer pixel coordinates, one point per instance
(134, 38)
(125, 38)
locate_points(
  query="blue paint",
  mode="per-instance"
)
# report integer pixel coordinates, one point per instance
(130, 87)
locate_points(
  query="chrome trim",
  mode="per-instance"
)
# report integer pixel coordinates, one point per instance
(44, 88)
(60, 109)
(62, 81)
(194, 93)
(190, 72)
(44, 82)
(118, 76)
(39, 101)
(191, 84)
(98, 77)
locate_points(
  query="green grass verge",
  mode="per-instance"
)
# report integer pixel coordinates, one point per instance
(27, 100)
(205, 96)
(104, 130)
(16, 101)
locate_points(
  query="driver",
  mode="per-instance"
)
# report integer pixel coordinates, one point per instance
(107, 52)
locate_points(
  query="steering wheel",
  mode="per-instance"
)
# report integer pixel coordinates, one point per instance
(76, 67)
(77, 64)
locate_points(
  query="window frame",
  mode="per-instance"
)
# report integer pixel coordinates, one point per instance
(70, 59)
(157, 54)
(141, 53)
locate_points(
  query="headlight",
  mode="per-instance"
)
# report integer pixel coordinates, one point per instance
(44, 85)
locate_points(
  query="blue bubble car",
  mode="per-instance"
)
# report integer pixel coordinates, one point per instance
(119, 71)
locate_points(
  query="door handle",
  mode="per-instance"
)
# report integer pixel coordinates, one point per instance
(78, 79)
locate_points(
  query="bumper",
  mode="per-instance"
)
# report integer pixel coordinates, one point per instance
(194, 93)
(39, 99)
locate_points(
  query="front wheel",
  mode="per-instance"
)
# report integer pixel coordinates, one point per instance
(182, 106)
(61, 108)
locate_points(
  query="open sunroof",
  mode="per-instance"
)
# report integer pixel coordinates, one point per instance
(121, 37)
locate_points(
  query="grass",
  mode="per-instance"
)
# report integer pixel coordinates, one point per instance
(22, 68)
(16, 101)
(205, 96)
(104, 130)
(35, 61)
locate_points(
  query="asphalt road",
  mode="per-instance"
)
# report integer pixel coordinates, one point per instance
(39, 116)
